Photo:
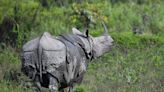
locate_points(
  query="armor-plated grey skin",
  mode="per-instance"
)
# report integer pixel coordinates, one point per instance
(60, 62)
(100, 45)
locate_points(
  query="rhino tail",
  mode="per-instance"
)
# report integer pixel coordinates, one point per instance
(39, 53)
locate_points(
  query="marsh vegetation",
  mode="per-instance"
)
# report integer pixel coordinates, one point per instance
(135, 64)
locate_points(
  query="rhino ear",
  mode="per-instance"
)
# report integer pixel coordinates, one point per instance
(87, 32)
(76, 31)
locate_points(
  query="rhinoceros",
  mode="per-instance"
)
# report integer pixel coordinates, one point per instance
(58, 63)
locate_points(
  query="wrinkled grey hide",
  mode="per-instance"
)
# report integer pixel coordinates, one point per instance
(60, 62)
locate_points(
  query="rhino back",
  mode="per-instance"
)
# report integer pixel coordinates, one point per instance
(31, 45)
(53, 54)
(48, 42)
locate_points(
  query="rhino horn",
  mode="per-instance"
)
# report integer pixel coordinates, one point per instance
(105, 29)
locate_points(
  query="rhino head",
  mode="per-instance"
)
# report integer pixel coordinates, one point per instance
(100, 45)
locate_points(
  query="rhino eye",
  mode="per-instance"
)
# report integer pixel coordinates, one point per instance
(102, 42)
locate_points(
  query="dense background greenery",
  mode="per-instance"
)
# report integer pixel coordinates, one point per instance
(135, 64)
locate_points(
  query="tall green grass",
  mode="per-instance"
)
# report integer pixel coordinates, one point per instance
(136, 62)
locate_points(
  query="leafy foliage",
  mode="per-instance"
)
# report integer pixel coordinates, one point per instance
(136, 62)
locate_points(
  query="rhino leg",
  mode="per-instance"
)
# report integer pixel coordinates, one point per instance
(61, 90)
(68, 89)
(37, 85)
(53, 85)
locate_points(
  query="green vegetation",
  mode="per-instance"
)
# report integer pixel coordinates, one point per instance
(135, 64)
